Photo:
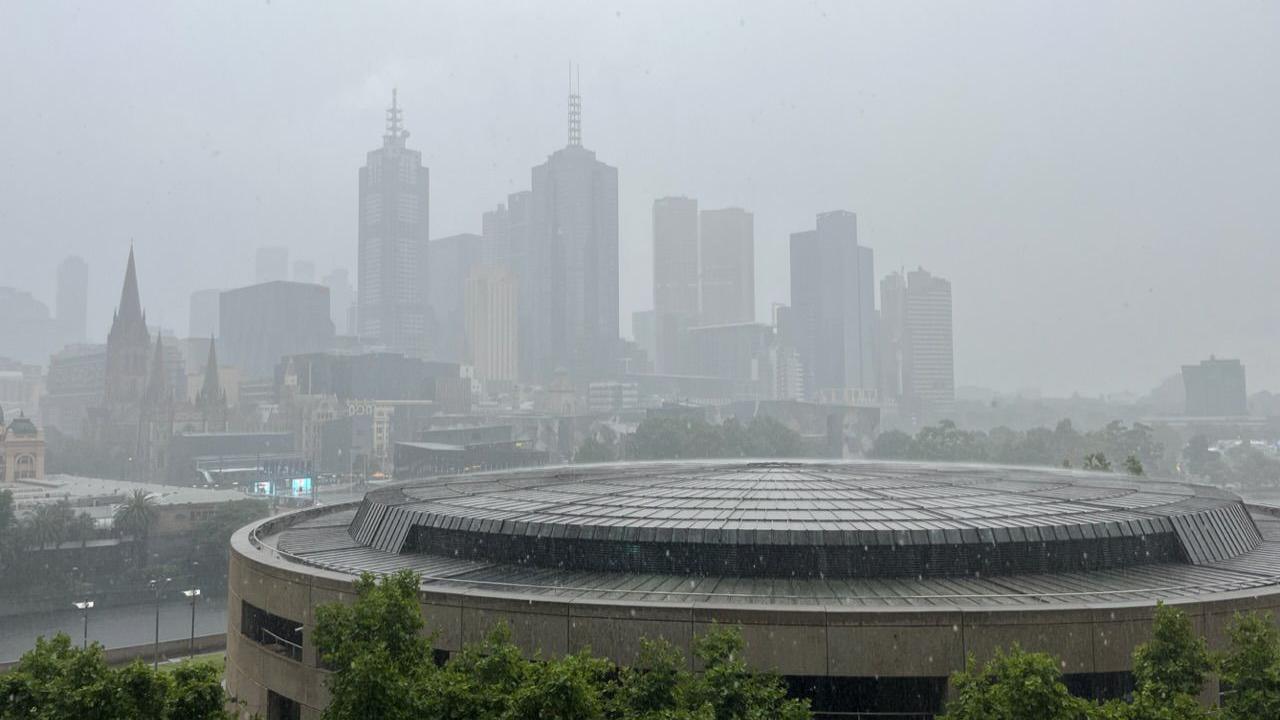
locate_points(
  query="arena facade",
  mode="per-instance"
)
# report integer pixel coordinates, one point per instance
(864, 584)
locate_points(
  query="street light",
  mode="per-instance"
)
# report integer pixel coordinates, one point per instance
(193, 593)
(84, 606)
(155, 655)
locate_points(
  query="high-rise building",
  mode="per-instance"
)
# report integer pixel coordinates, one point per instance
(675, 256)
(260, 324)
(1215, 388)
(727, 261)
(491, 321)
(452, 260)
(928, 358)
(73, 299)
(393, 235)
(203, 320)
(572, 264)
(271, 263)
(341, 300)
(304, 271)
(893, 301)
(833, 309)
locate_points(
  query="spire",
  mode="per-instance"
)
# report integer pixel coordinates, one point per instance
(211, 391)
(575, 110)
(130, 306)
(158, 383)
(396, 134)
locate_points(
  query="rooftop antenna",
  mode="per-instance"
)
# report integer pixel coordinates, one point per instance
(396, 133)
(575, 109)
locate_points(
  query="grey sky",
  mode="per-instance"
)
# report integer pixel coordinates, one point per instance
(1098, 180)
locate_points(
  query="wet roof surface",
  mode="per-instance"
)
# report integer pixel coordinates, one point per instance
(1025, 496)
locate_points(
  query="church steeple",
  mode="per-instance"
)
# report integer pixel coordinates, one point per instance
(157, 382)
(211, 394)
(130, 321)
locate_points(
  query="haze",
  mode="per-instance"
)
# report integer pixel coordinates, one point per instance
(1096, 180)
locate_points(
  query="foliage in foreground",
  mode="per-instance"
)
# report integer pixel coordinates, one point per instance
(383, 668)
(59, 681)
(1169, 673)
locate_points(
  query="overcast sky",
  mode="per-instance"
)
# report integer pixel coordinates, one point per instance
(1098, 180)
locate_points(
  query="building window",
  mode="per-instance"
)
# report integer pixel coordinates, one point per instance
(280, 707)
(24, 468)
(279, 635)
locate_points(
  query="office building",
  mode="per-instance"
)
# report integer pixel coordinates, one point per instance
(271, 263)
(572, 265)
(833, 308)
(892, 322)
(727, 266)
(73, 299)
(452, 260)
(393, 233)
(203, 319)
(675, 256)
(260, 324)
(1215, 388)
(341, 300)
(490, 310)
(304, 271)
(928, 356)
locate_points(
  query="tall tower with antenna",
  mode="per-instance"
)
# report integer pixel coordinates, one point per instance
(391, 306)
(570, 272)
(575, 108)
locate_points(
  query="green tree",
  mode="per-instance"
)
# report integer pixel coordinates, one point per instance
(135, 518)
(893, 445)
(1250, 669)
(594, 451)
(1097, 462)
(1016, 685)
(375, 647)
(1133, 465)
(730, 689)
(57, 680)
(213, 534)
(1174, 661)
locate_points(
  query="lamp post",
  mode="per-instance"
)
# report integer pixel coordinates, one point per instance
(193, 593)
(84, 606)
(155, 654)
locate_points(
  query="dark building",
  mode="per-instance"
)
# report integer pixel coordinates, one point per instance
(391, 292)
(232, 458)
(1215, 388)
(367, 376)
(260, 324)
(75, 384)
(424, 459)
(452, 260)
(572, 266)
(833, 306)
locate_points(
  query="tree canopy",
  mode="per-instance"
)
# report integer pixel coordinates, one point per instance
(383, 667)
(59, 681)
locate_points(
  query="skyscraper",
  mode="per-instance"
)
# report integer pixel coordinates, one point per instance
(928, 360)
(260, 324)
(727, 265)
(675, 256)
(893, 301)
(341, 297)
(393, 235)
(491, 318)
(203, 320)
(452, 260)
(271, 263)
(572, 264)
(73, 299)
(833, 309)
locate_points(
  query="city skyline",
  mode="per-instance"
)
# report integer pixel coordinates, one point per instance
(921, 191)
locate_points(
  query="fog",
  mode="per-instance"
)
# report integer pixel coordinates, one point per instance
(1096, 180)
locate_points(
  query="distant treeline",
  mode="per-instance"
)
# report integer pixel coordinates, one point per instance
(1063, 445)
(686, 438)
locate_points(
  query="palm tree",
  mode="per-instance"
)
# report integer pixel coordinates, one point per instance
(48, 525)
(135, 516)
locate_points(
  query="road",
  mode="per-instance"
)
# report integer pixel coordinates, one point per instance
(113, 627)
